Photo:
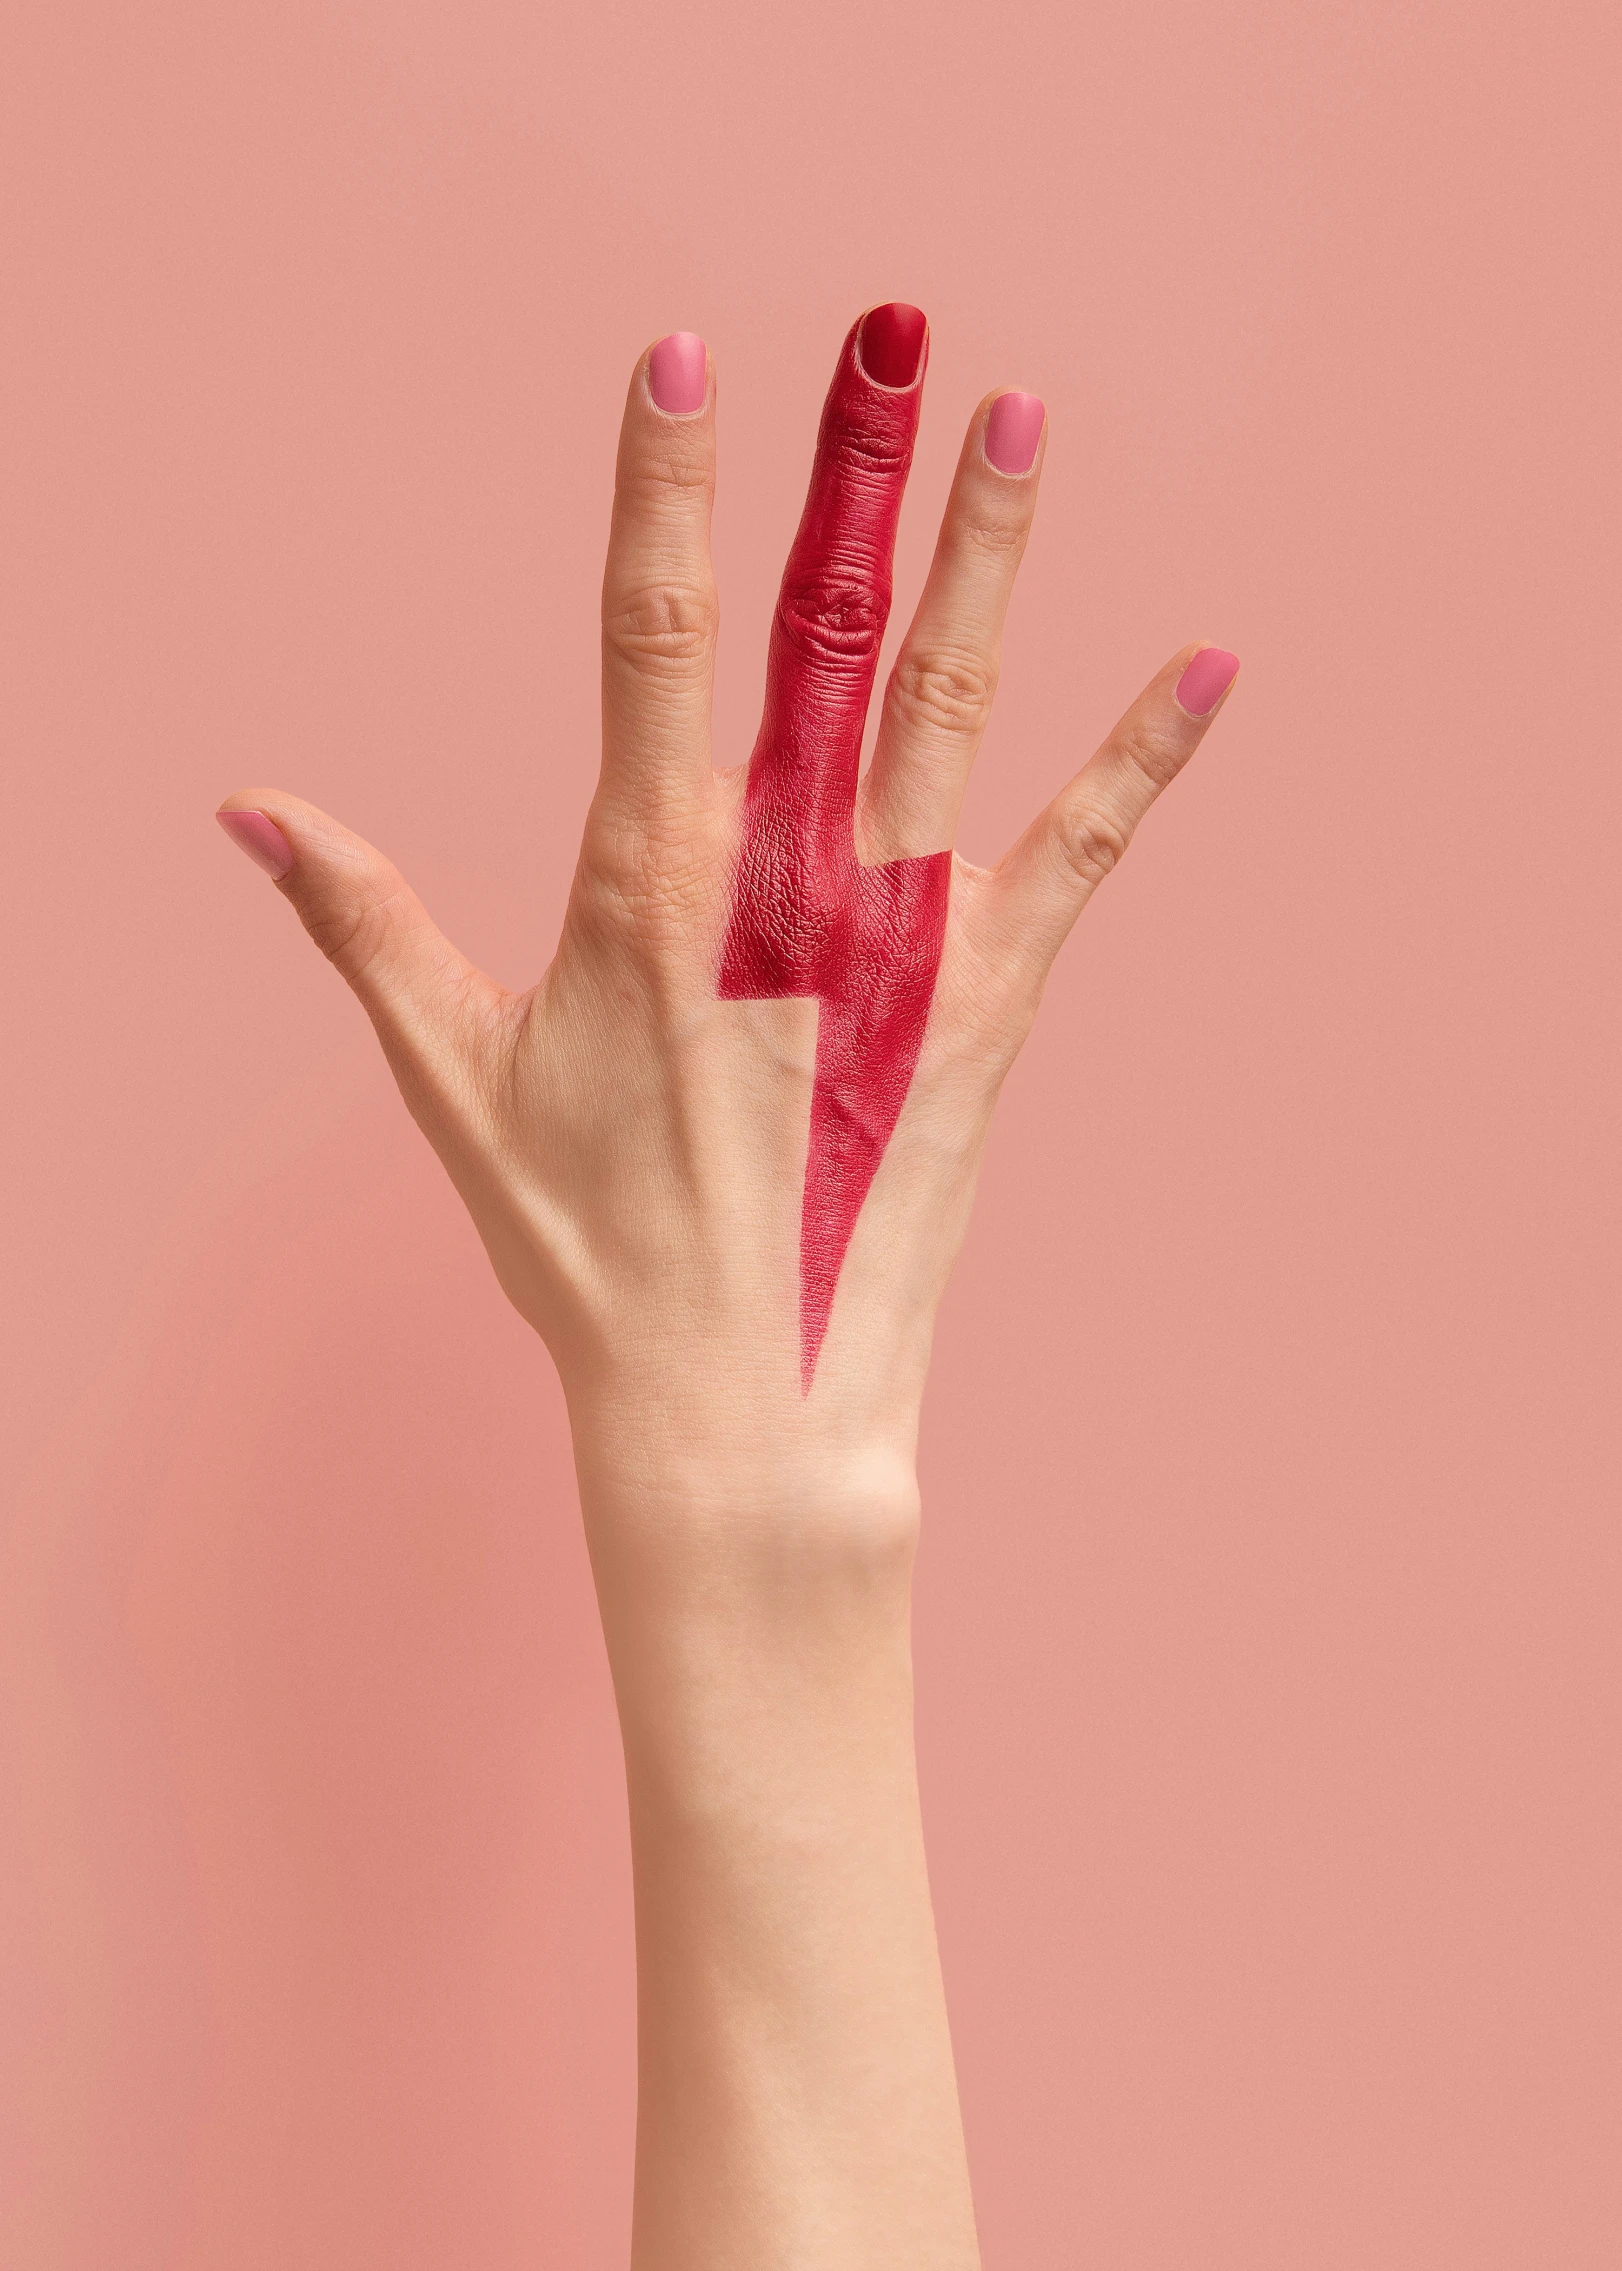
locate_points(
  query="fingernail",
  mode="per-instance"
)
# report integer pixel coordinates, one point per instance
(1013, 430)
(890, 345)
(1206, 680)
(678, 374)
(261, 839)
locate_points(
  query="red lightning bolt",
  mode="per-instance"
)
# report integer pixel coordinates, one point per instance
(807, 918)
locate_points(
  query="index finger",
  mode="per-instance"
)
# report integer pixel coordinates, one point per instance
(835, 597)
(660, 616)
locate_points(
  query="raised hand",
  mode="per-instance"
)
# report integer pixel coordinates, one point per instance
(664, 1177)
(721, 1156)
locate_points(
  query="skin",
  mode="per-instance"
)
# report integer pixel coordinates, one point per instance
(632, 1144)
(809, 918)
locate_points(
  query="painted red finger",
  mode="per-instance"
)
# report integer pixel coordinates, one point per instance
(835, 597)
(807, 919)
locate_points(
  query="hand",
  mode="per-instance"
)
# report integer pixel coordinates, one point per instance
(722, 1154)
(721, 1157)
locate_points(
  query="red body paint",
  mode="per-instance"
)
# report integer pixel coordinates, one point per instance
(807, 918)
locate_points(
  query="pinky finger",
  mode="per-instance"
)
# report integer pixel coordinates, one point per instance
(1040, 887)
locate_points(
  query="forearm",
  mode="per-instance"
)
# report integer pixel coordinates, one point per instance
(797, 2100)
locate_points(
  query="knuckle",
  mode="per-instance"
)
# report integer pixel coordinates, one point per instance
(353, 935)
(662, 627)
(659, 476)
(993, 532)
(1149, 751)
(834, 619)
(1091, 842)
(647, 878)
(941, 692)
(867, 434)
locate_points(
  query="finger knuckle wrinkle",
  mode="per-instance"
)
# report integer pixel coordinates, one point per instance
(1148, 753)
(867, 438)
(647, 887)
(833, 619)
(1092, 843)
(663, 626)
(989, 532)
(651, 481)
(352, 937)
(949, 694)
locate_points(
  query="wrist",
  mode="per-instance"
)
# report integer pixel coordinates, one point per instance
(748, 1630)
(748, 1581)
(767, 1732)
(781, 1507)
(718, 1432)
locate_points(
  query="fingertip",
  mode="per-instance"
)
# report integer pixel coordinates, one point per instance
(679, 374)
(1205, 679)
(1013, 431)
(255, 833)
(890, 345)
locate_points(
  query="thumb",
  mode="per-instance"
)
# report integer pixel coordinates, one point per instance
(356, 905)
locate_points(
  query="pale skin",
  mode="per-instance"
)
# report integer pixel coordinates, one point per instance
(632, 1148)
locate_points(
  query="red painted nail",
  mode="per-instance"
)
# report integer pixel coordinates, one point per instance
(261, 839)
(1013, 430)
(1206, 680)
(891, 345)
(678, 374)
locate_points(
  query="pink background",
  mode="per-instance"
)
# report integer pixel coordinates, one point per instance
(1268, 1616)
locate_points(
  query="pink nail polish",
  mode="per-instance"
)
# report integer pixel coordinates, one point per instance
(1206, 680)
(678, 374)
(261, 839)
(891, 345)
(1013, 429)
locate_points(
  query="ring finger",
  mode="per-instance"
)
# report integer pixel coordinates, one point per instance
(940, 692)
